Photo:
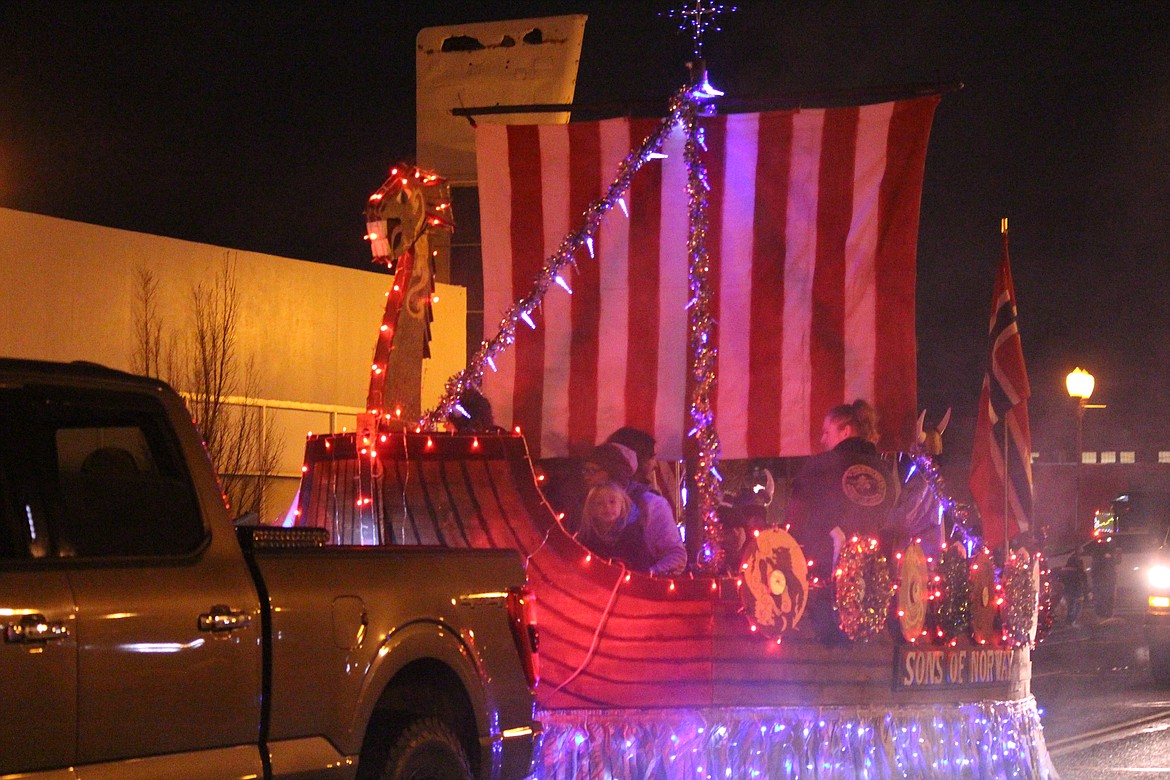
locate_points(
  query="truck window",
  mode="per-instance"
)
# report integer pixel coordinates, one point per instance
(110, 471)
(25, 532)
(12, 543)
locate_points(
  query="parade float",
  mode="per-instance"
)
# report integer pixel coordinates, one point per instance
(714, 673)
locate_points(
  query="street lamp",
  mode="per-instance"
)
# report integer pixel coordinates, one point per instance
(1080, 386)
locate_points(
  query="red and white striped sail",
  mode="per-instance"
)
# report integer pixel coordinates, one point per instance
(812, 236)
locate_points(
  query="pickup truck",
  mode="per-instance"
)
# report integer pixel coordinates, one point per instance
(144, 635)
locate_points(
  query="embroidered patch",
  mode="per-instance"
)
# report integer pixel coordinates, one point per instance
(863, 485)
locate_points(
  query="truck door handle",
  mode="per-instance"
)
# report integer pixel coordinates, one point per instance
(223, 618)
(31, 629)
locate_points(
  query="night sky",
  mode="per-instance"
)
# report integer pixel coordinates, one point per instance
(265, 126)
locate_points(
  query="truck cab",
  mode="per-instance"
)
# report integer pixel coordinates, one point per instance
(144, 635)
(98, 500)
(1128, 530)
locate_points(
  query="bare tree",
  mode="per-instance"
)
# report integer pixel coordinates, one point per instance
(220, 384)
(154, 355)
(246, 449)
(212, 370)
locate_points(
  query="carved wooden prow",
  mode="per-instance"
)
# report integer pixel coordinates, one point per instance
(410, 206)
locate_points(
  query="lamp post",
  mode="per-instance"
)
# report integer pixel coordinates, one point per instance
(1079, 383)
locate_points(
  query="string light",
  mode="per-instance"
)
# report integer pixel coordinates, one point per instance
(948, 509)
(823, 730)
(408, 205)
(863, 589)
(1020, 596)
(683, 111)
(983, 739)
(952, 609)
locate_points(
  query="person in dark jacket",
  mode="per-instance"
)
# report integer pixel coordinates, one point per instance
(643, 446)
(845, 491)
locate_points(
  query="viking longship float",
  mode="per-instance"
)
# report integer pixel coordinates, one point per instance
(634, 261)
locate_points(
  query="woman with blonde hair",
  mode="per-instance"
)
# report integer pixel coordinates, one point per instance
(844, 491)
(858, 419)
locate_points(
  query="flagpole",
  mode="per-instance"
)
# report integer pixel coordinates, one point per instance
(1003, 231)
(1004, 403)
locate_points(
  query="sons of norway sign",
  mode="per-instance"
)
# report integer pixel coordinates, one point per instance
(953, 666)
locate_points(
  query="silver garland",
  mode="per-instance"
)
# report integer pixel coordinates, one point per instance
(711, 555)
(523, 309)
(684, 110)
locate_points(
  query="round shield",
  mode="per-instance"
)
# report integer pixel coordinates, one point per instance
(981, 592)
(913, 592)
(774, 583)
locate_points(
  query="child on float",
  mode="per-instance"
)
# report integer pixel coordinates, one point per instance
(615, 526)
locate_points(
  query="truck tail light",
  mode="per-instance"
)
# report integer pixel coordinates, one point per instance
(522, 619)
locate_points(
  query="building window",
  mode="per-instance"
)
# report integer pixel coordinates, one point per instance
(1108, 457)
(1088, 457)
(1128, 457)
(1164, 456)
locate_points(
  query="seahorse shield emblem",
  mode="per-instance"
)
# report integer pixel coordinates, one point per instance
(863, 485)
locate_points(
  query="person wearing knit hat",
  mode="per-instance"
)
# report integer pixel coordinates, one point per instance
(644, 447)
(610, 463)
(647, 538)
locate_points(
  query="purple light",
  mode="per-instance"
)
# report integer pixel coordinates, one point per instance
(705, 91)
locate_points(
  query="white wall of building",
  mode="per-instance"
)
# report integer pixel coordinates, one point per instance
(67, 292)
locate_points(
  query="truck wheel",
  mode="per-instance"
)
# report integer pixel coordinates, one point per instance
(1160, 663)
(1104, 585)
(427, 750)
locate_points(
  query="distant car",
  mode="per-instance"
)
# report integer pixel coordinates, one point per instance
(1128, 532)
(1157, 622)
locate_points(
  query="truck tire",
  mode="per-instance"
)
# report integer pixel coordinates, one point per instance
(1160, 663)
(1104, 587)
(427, 749)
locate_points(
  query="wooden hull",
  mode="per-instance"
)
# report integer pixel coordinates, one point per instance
(614, 639)
(609, 638)
(664, 677)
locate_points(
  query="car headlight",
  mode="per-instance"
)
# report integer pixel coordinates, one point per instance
(1158, 576)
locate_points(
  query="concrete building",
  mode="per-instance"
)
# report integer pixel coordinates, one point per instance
(68, 291)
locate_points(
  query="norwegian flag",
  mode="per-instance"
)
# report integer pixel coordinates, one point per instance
(1001, 464)
(811, 238)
